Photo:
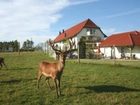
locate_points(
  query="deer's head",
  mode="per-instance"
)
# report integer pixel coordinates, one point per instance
(62, 53)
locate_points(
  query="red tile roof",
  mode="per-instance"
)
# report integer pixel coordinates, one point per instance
(122, 39)
(73, 31)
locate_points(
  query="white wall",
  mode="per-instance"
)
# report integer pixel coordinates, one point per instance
(61, 44)
(107, 52)
(136, 51)
(84, 32)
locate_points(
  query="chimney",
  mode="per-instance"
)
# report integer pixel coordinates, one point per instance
(59, 32)
(63, 31)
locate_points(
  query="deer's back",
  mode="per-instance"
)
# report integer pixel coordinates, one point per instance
(48, 69)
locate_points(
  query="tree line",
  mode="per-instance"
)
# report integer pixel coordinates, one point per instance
(14, 46)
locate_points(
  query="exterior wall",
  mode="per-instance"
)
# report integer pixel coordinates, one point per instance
(84, 32)
(62, 45)
(136, 51)
(118, 52)
(114, 52)
(107, 52)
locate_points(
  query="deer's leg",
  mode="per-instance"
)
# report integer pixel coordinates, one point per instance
(0, 65)
(56, 87)
(38, 78)
(4, 64)
(59, 90)
(47, 79)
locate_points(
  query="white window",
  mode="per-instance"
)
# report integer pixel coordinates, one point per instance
(89, 31)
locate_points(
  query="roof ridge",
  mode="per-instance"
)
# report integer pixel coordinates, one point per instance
(90, 21)
(78, 24)
(126, 32)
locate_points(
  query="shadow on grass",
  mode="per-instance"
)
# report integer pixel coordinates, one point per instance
(111, 65)
(110, 88)
(21, 68)
(125, 66)
(15, 81)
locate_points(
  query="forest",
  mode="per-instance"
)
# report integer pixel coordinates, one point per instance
(14, 46)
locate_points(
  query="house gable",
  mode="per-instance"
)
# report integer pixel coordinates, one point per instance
(75, 30)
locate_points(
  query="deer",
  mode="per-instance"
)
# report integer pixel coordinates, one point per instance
(2, 62)
(55, 70)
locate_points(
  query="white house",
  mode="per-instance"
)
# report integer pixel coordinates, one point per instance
(122, 45)
(86, 28)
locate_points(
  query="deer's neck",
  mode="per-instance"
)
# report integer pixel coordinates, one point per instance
(61, 64)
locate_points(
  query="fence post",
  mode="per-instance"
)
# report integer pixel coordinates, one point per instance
(78, 53)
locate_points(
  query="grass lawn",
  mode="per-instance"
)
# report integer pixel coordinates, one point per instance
(92, 82)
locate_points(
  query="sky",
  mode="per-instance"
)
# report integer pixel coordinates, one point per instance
(41, 20)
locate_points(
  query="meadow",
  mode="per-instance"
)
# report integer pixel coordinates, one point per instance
(92, 82)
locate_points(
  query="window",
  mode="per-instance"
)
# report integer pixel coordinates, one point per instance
(89, 31)
(94, 31)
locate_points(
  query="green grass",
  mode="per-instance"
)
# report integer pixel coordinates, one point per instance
(92, 82)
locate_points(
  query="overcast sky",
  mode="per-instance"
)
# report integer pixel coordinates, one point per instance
(40, 20)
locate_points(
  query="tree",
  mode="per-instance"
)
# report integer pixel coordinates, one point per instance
(16, 45)
(39, 47)
(11, 46)
(28, 45)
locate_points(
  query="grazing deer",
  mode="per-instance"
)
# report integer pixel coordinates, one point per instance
(2, 62)
(55, 70)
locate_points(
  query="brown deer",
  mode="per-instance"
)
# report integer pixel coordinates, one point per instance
(55, 70)
(2, 63)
